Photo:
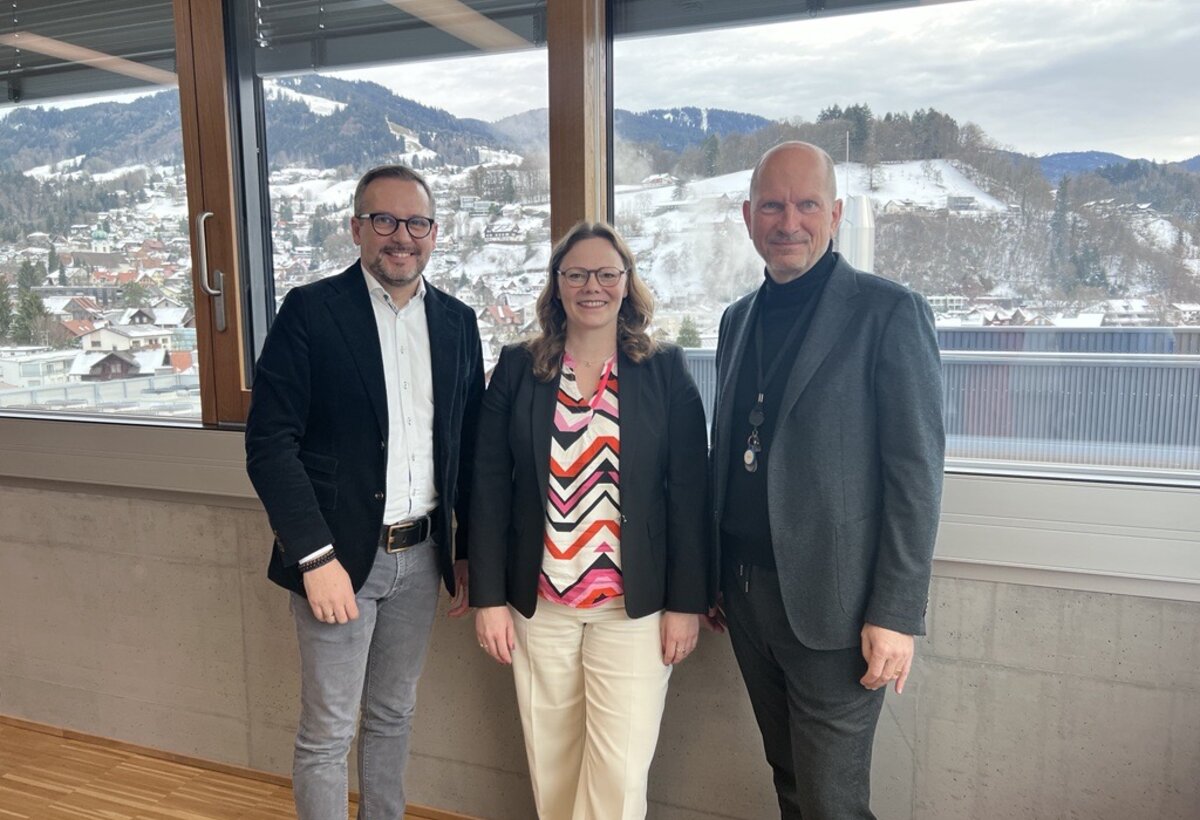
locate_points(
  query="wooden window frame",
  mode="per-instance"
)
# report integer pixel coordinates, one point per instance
(208, 163)
(579, 83)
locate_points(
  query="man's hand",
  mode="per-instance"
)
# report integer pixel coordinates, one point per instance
(330, 594)
(679, 631)
(888, 655)
(494, 629)
(458, 604)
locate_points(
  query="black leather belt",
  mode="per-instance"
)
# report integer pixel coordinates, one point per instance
(404, 534)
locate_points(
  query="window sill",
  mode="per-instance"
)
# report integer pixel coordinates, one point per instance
(1132, 539)
(176, 458)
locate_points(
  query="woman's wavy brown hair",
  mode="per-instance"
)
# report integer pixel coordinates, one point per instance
(637, 309)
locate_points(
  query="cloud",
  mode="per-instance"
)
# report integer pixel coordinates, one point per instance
(1037, 75)
(486, 87)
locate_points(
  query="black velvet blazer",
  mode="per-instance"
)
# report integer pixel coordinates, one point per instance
(316, 435)
(664, 533)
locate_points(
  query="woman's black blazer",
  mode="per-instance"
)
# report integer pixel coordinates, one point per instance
(663, 473)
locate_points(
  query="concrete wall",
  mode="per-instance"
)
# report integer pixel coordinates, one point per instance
(146, 617)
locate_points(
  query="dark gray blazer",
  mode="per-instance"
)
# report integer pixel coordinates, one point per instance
(664, 527)
(316, 435)
(854, 477)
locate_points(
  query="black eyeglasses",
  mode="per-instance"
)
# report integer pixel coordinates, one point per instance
(385, 224)
(578, 277)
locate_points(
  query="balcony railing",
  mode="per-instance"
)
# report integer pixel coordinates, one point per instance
(1114, 410)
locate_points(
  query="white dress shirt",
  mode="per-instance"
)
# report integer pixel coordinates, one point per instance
(407, 374)
(408, 381)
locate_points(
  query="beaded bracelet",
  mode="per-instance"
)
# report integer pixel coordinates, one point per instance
(319, 561)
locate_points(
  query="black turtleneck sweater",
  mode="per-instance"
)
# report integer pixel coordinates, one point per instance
(745, 526)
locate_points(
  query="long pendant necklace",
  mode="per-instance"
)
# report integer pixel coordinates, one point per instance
(752, 456)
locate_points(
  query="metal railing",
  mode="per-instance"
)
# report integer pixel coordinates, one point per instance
(1115, 410)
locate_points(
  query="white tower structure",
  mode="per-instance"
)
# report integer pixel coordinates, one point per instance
(856, 236)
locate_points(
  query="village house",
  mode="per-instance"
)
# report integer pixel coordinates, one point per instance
(1127, 313)
(1183, 313)
(126, 337)
(36, 369)
(104, 366)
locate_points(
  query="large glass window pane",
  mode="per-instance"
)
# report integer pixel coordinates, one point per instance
(95, 295)
(457, 91)
(1042, 191)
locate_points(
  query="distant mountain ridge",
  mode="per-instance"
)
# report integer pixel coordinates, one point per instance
(678, 128)
(1072, 163)
(145, 130)
(355, 130)
(325, 121)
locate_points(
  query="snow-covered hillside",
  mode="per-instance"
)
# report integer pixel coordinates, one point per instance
(320, 106)
(679, 231)
(57, 170)
(928, 184)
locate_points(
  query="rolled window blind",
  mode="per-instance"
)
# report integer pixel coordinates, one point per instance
(67, 48)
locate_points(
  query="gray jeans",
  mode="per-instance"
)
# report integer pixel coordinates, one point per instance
(373, 662)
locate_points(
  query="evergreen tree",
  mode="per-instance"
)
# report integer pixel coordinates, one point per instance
(134, 294)
(712, 154)
(862, 122)
(508, 192)
(1088, 268)
(6, 310)
(833, 112)
(52, 261)
(320, 228)
(1060, 228)
(689, 334)
(27, 324)
(27, 277)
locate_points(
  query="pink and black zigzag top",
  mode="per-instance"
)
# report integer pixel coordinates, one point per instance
(581, 565)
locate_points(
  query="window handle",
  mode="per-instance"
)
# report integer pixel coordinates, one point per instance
(217, 291)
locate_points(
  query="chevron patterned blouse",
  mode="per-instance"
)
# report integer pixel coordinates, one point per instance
(581, 565)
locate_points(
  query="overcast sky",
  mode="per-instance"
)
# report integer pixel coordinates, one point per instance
(1039, 76)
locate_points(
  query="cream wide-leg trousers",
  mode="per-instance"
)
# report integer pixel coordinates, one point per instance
(591, 687)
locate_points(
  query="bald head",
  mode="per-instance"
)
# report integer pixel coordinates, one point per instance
(793, 211)
(797, 152)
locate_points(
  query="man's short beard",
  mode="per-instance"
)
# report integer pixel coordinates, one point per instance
(378, 271)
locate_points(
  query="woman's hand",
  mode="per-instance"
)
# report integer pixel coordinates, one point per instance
(680, 631)
(494, 629)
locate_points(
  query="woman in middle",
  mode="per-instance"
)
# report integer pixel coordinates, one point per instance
(588, 544)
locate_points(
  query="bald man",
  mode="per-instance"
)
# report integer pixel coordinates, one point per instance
(827, 477)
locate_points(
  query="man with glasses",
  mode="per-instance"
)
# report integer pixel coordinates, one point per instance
(827, 478)
(360, 442)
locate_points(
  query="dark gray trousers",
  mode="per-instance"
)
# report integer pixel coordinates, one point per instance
(817, 721)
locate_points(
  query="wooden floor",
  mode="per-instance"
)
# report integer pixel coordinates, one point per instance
(61, 776)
